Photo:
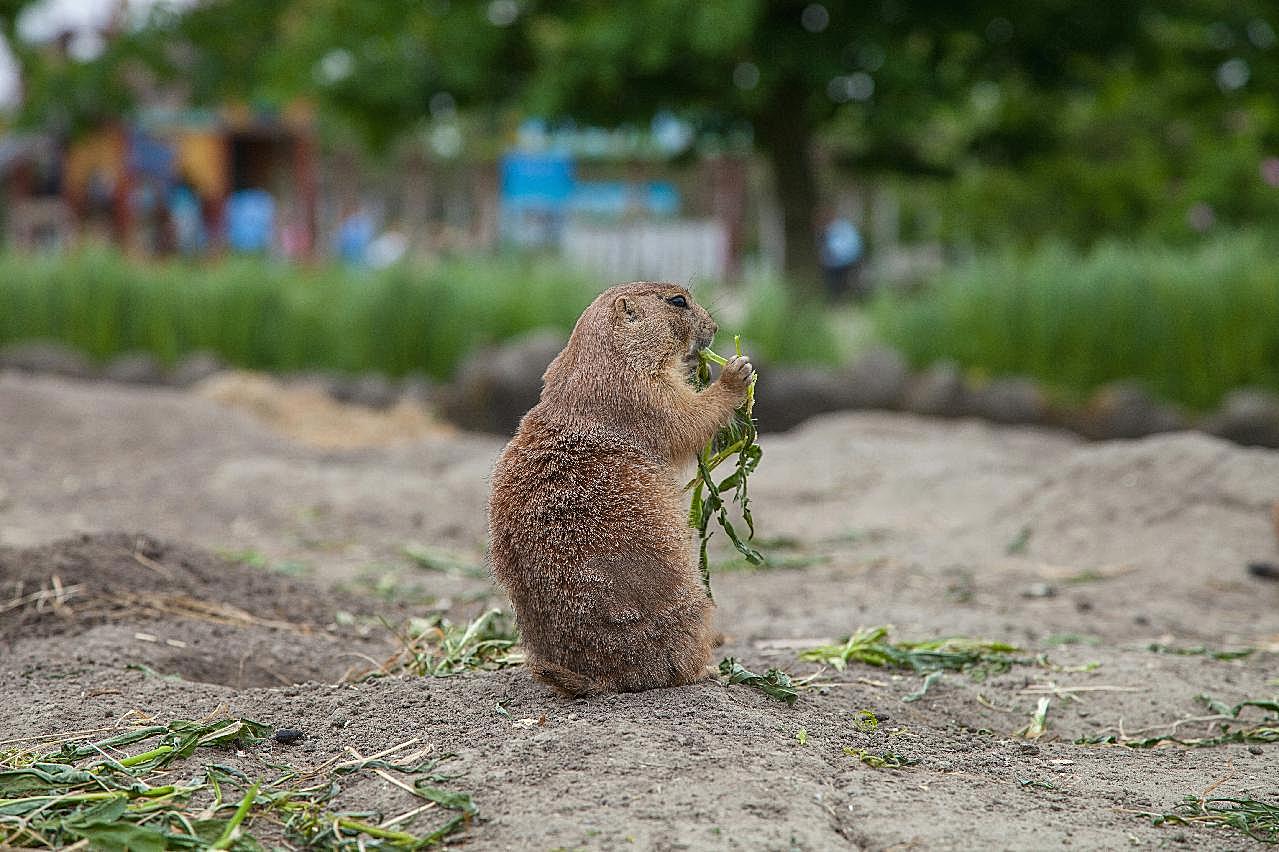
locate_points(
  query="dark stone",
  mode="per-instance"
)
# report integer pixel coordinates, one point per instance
(47, 356)
(135, 368)
(787, 396)
(1247, 416)
(939, 391)
(1039, 590)
(877, 379)
(1126, 410)
(289, 736)
(194, 368)
(495, 386)
(1264, 570)
(419, 390)
(371, 390)
(1009, 400)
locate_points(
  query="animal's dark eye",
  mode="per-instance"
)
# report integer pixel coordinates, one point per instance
(678, 301)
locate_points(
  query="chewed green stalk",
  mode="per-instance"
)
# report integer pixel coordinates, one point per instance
(736, 439)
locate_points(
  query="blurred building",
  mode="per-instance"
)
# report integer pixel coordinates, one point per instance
(166, 181)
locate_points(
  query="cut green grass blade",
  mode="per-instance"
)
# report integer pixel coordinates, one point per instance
(233, 825)
(929, 680)
(707, 502)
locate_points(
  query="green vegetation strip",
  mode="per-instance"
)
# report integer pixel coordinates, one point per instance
(736, 440)
(101, 794)
(1257, 819)
(281, 317)
(1190, 323)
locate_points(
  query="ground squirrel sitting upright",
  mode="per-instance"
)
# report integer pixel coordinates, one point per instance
(590, 536)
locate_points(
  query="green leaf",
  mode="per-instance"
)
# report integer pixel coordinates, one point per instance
(774, 683)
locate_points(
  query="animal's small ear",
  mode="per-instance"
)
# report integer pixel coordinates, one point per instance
(625, 310)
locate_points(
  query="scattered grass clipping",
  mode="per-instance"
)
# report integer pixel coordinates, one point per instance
(1257, 819)
(872, 646)
(739, 440)
(436, 647)
(445, 562)
(887, 760)
(1201, 651)
(774, 683)
(122, 793)
(1261, 732)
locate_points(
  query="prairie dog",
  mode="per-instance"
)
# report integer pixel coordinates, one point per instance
(587, 518)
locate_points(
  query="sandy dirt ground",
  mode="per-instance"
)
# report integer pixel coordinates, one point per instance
(251, 565)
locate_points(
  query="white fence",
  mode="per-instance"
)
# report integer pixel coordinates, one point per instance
(682, 250)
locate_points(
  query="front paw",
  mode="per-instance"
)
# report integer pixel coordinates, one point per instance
(736, 374)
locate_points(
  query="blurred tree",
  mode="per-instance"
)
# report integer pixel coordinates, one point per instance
(1082, 122)
(765, 64)
(899, 77)
(1041, 117)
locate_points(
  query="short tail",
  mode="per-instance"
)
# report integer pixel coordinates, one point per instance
(564, 681)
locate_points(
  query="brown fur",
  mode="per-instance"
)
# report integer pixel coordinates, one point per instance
(587, 517)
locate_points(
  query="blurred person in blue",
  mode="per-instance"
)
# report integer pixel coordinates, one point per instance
(250, 220)
(842, 252)
(354, 237)
(187, 216)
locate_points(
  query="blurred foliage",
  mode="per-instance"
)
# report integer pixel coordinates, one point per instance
(1190, 323)
(279, 317)
(1172, 139)
(779, 329)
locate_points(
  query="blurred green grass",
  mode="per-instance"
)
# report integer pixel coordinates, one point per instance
(1190, 323)
(279, 317)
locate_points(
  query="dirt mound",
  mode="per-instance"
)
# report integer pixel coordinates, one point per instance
(175, 610)
(91, 579)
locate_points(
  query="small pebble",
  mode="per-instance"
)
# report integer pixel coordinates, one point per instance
(288, 736)
(1254, 749)
(1038, 590)
(1264, 570)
